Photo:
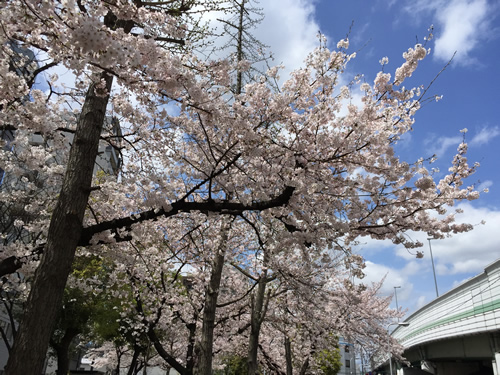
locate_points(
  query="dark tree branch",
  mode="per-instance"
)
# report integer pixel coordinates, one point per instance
(225, 208)
(12, 264)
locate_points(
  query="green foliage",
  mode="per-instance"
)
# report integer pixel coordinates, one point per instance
(106, 321)
(84, 311)
(76, 310)
(78, 305)
(234, 365)
(75, 315)
(329, 361)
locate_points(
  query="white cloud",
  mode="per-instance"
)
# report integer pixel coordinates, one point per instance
(469, 252)
(440, 145)
(484, 136)
(289, 28)
(405, 142)
(414, 267)
(393, 277)
(461, 253)
(375, 272)
(458, 282)
(463, 23)
(368, 245)
(360, 35)
(456, 258)
(421, 302)
(461, 26)
(484, 185)
(356, 99)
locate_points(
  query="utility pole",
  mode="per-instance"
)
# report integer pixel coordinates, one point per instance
(396, 296)
(433, 269)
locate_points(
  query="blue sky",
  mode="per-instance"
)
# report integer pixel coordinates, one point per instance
(470, 100)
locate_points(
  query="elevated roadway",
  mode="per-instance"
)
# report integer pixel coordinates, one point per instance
(458, 333)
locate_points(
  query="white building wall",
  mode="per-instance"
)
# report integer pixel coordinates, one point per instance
(348, 358)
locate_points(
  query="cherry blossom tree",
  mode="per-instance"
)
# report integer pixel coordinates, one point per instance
(178, 312)
(297, 170)
(65, 30)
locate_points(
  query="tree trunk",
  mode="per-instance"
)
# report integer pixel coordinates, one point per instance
(190, 357)
(62, 362)
(133, 363)
(239, 52)
(171, 361)
(304, 367)
(62, 351)
(30, 347)
(119, 354)
(288, 356)
(207, 330)
(258, 313)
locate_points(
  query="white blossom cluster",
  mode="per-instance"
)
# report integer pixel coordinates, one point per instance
(233, 213)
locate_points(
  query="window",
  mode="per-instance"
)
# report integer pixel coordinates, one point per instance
(346, 349)
(347, 363)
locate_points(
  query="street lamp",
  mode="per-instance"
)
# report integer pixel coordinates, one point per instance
(396, 296)
(389, 344)
(433, 269)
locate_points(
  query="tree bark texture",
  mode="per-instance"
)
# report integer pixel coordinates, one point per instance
(304, 367)
(190, 357)
(257, 317)
(166, 356)
(62, 351)
(204, 366)
(133, 364)
(30, 347)
(288, 356)
(239, 75)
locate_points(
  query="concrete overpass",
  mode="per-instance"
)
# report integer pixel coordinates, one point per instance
(458, 333)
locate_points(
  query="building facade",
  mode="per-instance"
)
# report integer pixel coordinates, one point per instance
(348, 358)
